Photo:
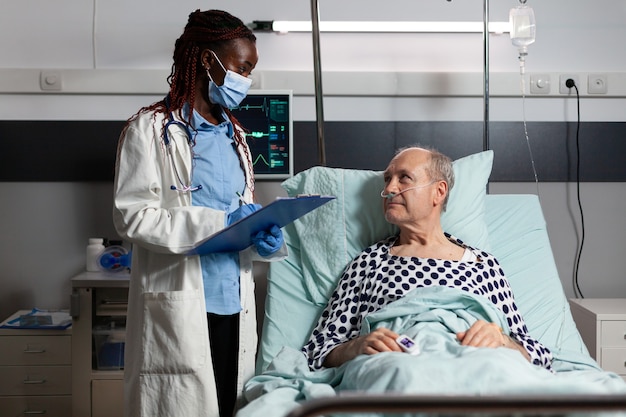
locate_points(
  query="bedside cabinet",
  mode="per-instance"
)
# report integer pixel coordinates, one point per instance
(98, 299)
(602, 325)
(35, 371)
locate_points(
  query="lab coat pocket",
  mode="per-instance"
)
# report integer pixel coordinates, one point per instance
(175, 332)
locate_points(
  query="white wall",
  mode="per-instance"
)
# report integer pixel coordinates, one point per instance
(45, 226)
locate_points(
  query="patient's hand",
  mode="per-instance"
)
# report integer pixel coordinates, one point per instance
(380, 340)
(484, 334)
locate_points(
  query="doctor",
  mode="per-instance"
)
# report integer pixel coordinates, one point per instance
(184, 172)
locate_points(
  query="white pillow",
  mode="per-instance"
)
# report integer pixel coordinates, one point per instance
(332, 235)
(465, 214)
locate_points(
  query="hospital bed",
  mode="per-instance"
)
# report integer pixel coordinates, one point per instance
(323, 242)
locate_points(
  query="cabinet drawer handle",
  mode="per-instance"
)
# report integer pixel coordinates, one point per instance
(34, 349)
(34, 412)
(34, 381)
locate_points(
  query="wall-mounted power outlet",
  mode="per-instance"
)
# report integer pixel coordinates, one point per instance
(563, 88)
(597, 84)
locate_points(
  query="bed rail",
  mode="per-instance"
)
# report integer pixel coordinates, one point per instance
(360, 402)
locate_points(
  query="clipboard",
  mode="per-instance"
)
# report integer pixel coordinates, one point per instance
(281, 212)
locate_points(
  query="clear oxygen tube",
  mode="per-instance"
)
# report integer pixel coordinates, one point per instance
(389, 196)
(523, 27)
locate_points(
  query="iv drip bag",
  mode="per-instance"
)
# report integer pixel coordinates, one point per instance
(522, 20)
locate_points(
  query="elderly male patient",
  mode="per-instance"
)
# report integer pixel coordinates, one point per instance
(417, 184)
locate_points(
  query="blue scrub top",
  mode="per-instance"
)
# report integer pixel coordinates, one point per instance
(218, 169)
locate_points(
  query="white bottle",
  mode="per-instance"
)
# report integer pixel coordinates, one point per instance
(94, 249)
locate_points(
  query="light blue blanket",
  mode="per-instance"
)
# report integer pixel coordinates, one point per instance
(431, 316)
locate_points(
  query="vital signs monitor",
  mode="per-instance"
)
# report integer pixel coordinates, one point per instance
(267, 116)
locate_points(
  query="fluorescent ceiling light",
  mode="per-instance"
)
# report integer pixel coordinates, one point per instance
(285, 26)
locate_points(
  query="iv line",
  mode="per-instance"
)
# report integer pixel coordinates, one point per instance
(530, 152)
(522, 19)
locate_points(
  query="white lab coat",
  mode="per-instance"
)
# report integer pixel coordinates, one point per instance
(168, 369)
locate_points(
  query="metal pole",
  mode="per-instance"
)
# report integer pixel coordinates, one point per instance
(486, 75)
(319, 96)
(459, 405)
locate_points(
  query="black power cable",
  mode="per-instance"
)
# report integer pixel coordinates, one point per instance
(569, 83)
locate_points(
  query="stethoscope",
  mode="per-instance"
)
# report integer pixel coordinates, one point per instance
(183, 187)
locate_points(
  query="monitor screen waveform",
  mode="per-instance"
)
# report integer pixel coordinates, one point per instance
(267, 117)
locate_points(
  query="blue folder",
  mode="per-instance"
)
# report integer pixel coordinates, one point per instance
(238, 236)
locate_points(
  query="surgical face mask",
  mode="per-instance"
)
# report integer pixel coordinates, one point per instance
(232, 91)
(389, 196)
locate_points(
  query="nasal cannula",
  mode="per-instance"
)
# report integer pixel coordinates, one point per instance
(392, 195)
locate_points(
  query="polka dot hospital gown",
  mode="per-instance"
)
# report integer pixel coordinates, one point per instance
(376, 278)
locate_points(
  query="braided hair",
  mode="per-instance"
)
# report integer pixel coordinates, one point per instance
(211, 29)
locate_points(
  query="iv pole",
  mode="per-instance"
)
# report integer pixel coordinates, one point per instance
(319, 96)
(317, 66)
(486, 76)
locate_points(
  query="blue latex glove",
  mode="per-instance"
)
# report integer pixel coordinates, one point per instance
(241, 212)
(268, 241)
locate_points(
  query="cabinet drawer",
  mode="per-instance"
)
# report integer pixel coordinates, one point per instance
(60, 406)
(35, 350)
(35, 380)
(107, 397)
(614, 333)
(614, 360)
